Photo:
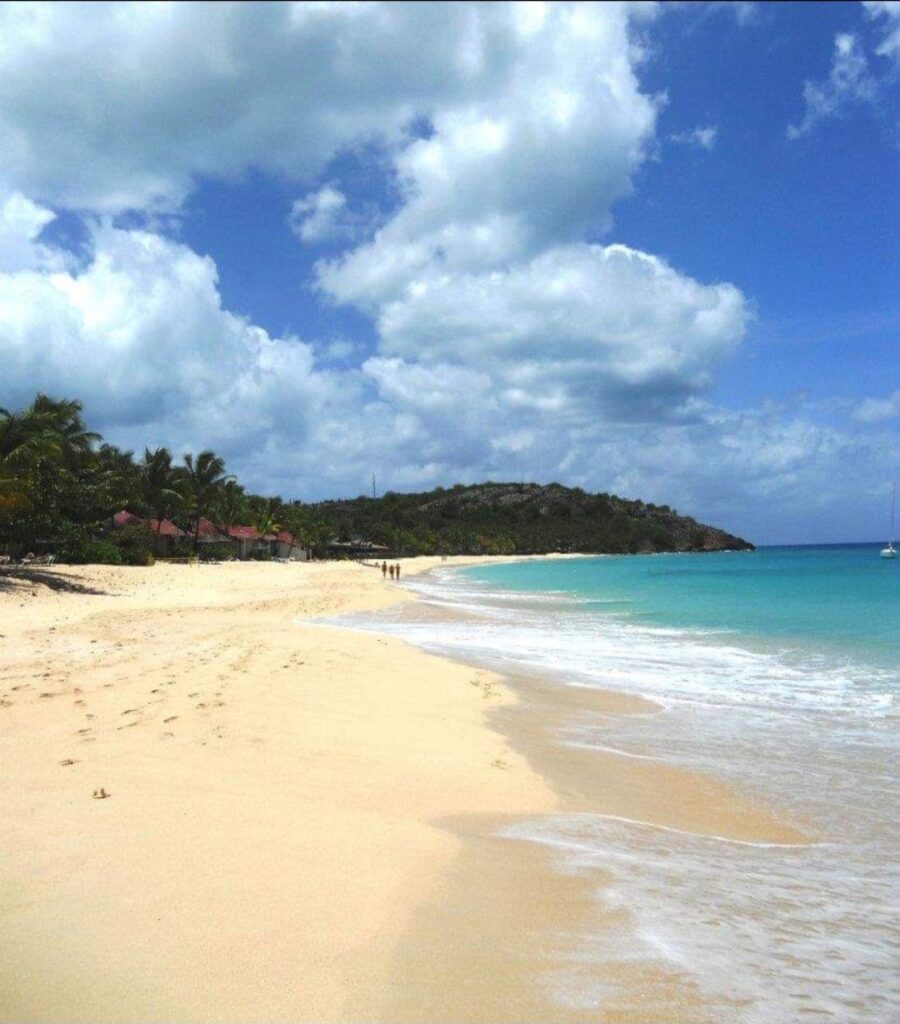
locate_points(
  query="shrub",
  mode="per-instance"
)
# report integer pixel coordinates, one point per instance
(74, 543)
(216, 552)
(92, 552)
(181, 547)
(135, 544)
(261, 556)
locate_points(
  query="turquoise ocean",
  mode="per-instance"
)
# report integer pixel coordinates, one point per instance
(777, 669)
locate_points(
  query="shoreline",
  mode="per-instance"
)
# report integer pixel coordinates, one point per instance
(520, 886)
(323, 811)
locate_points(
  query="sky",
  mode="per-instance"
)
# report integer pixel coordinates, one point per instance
(649, 249)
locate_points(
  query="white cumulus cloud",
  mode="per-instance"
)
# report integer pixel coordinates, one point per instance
(136, 101)
(595, 325)
(21, 223)
(322, 216)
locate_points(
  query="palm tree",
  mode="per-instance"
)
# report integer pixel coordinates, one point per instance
(111, 478)
(46, 458)
(45, 431)
(26, 438)
(203, 479)
(267, 523)
(231, 504)
(296, 520)
(64, 418)
(159, 484)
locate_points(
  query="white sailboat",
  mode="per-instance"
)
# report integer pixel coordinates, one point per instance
(890, 551)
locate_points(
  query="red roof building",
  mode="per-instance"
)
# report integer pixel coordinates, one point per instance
(246, 539)
(166, 528)
(243, 532)
(124, 518)
(207, 531)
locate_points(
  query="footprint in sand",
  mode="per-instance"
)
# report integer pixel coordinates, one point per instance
(79, 702)
(171, 718)
(499, 763)
(68, 761)
(197, 694)
(101, 794)
(81, 732)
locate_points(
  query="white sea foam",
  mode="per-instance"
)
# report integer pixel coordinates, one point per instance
(786, 930)
(550, 632)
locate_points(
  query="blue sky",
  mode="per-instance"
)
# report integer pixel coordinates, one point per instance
(649, 249)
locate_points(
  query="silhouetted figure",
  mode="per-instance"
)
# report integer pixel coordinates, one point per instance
(391, 571)
(384, 570)
(397, 571)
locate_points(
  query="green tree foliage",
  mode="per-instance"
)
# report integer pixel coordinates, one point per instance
(202, 479)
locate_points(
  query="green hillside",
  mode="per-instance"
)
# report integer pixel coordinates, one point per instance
(518, 518)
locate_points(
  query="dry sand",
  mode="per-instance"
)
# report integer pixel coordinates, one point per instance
(300, 821)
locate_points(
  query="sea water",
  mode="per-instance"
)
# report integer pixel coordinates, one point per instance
(778, 669)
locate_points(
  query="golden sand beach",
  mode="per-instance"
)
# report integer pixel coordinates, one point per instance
(216, 808)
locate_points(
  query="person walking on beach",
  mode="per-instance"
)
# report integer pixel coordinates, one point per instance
(391, 571)
(384, 570)
(397, 571)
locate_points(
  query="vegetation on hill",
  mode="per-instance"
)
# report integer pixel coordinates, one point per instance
(520, 518)
(60, 484)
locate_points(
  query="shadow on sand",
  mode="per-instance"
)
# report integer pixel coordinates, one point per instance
(15, 577)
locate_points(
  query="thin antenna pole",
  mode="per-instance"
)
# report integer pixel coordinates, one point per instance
(373, 487)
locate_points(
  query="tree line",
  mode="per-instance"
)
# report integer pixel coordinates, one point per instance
(61, 483)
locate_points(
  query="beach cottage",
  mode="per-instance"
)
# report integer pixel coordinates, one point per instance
(163, 532)
(288, 546)
(248, 541)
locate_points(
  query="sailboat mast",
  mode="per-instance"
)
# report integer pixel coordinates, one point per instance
(893, 505)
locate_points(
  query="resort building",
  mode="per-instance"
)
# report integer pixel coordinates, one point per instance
(244, 541)
(164, 532)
